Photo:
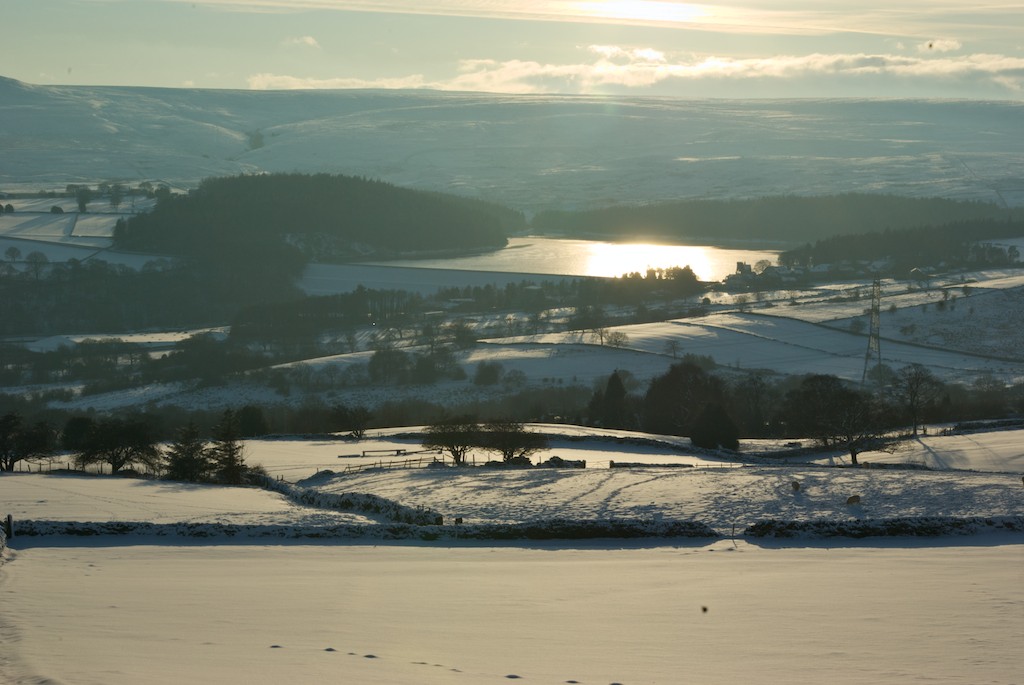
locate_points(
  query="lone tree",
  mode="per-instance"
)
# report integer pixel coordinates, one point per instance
(455, 436)
(83, 196)
(21, 443)
(116, 195)
(37, 263)
(120, 443)
(836, 415)
(511, 440)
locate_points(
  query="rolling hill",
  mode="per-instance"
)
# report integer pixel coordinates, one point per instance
(528, 152)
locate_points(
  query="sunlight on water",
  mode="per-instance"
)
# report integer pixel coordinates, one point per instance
(612, 259)
(569, 257)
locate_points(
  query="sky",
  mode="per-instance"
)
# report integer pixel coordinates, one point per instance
(729, 48)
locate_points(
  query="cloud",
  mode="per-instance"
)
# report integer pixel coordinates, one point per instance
(939, 45)
(303, 41)
(639, 68)
(613, 68)
(266, 81)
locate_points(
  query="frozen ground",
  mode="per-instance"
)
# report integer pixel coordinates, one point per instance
(124, 610)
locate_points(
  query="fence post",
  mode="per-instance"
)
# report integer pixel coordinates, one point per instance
(9, 527)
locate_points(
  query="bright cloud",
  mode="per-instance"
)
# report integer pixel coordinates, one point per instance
(282, 82)
(636, 68)
(303, 41)
(939, 45)
(617, 67)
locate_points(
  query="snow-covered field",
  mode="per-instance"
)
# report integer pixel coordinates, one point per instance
(755, 341)
(975, 333)
(119, 610)
(863, 613)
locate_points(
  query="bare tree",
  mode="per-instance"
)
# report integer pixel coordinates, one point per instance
(454, 436)
(823, 407)
(511, 440)
(37, 263)
(617, 339)
(121, 443)
(915, 387)
(23, 443)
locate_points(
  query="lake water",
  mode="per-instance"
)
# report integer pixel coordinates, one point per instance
(567, 257)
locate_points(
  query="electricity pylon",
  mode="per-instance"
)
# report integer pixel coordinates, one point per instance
(874, 346)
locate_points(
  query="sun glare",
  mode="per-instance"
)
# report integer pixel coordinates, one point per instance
(656, 11)
(617, 259)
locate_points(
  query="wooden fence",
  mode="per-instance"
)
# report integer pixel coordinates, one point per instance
(414, 463)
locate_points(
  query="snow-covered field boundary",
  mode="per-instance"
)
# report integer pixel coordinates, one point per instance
(915, 526)
(559, 529)
(555, 529)
(362, 503)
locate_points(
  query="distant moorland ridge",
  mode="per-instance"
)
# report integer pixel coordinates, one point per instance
(529, 152)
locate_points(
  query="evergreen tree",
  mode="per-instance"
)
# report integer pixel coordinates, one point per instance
(228, 451)
(615, 408)
(188, 458)
(714, 428)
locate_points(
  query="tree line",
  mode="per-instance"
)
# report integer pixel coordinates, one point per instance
(956, 244)
(787, 218)
(321, 216)
(714, 409)
(131, 442)
(715, 412)
(50, 298)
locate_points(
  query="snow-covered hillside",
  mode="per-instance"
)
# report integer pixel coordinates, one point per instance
(530, 152)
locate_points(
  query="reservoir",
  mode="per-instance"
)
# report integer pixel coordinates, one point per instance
(571, 257)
